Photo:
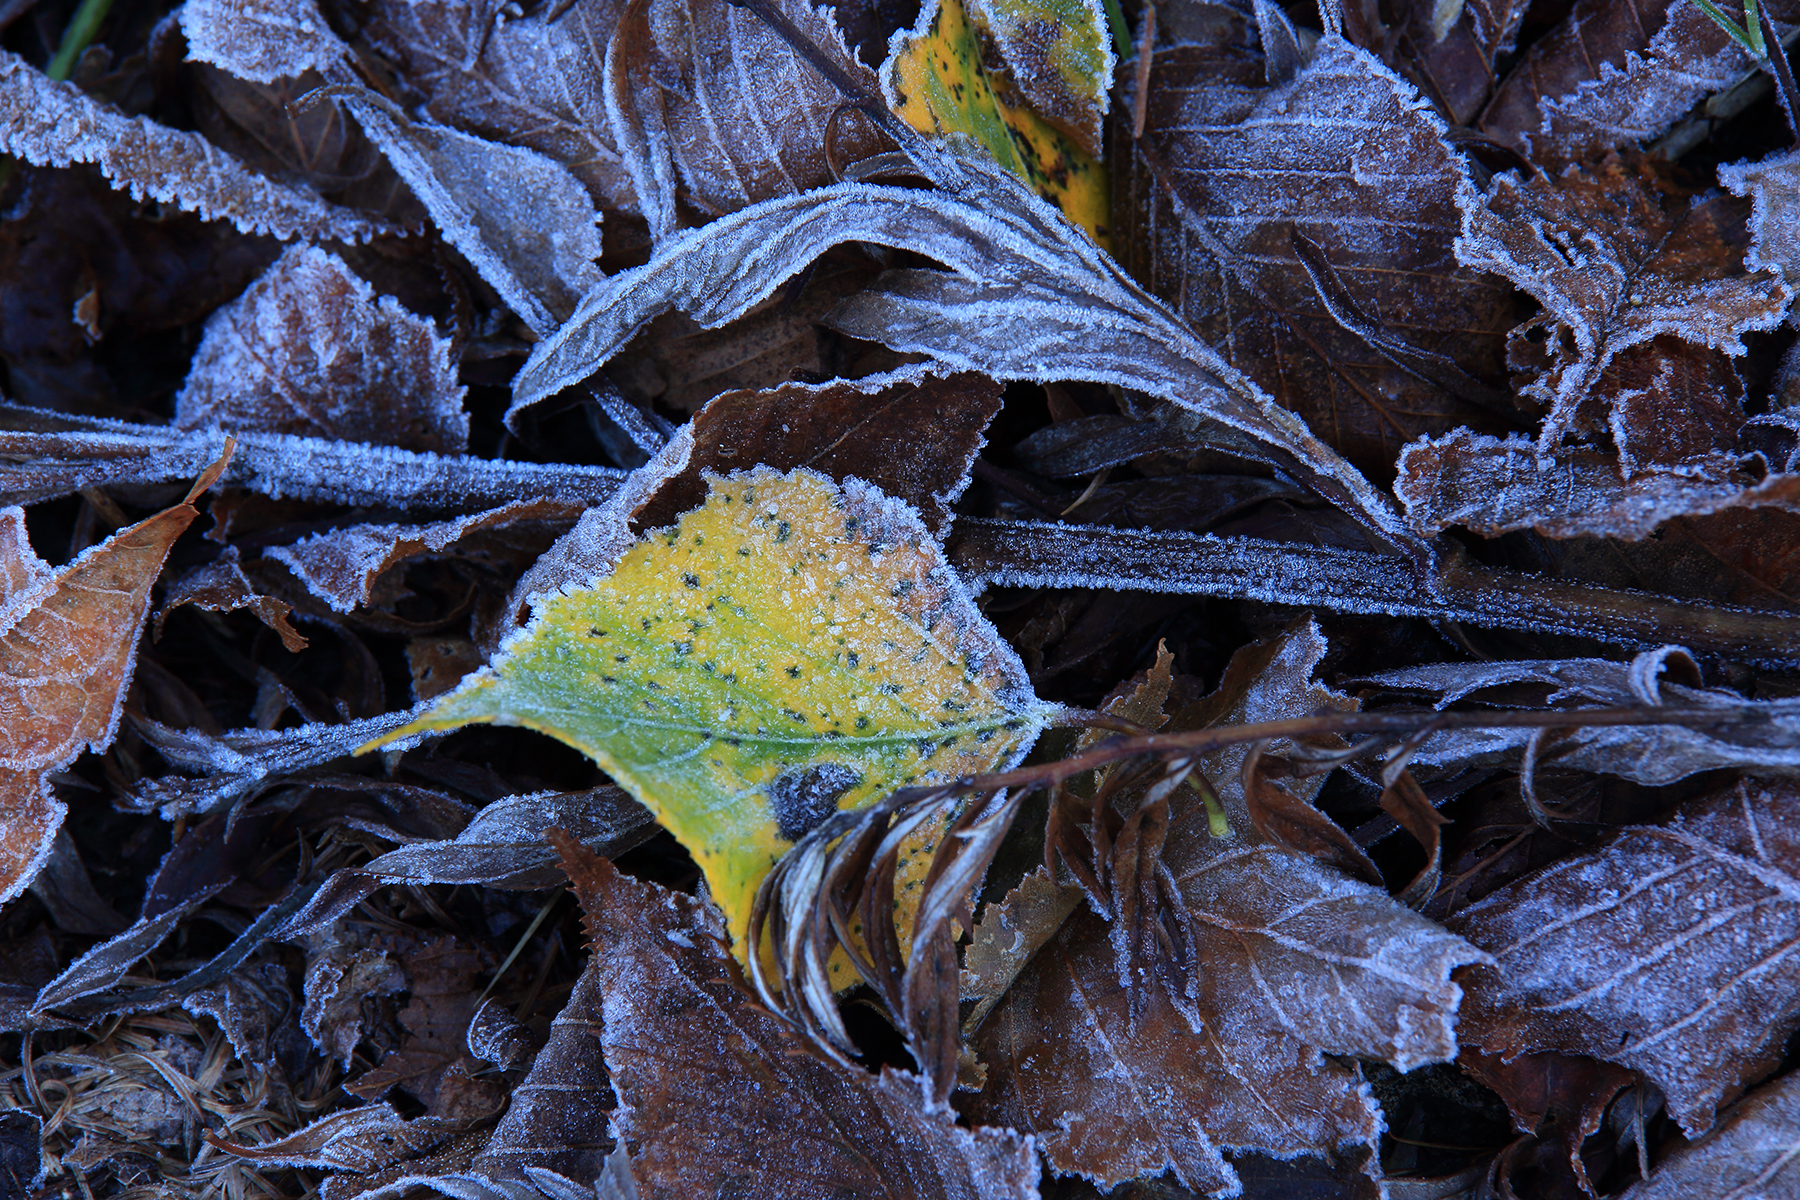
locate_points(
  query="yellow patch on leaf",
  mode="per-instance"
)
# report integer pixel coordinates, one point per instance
(787, 650)
(949, 75)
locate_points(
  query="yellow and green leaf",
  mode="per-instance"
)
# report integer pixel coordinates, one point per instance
(788, 649)
(1028, 79)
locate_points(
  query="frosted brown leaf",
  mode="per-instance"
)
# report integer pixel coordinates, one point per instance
(715, 1092)
(68, 640)
(56, 124)
(1299, 961)
(309, 349)
(1671, 951)
(1209, 217)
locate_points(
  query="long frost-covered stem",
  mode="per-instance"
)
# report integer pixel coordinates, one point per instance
(1040, 554)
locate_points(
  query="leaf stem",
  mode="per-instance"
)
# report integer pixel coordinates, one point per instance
(76, 37)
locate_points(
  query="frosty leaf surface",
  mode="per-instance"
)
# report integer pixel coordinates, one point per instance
(1651, 266)
(341, 567)
(1753, 1151)
(710, 106)
(1495, 485)
(310, 350)
(1026, 298)
(716, 1093)
(222, 586)
(1773, 187)
(54, 124)
(1671, 951)
(1652, 755)
(1299, 961)
(938, 79)
(1614, 72)
(786, 650)
(914, 434)
(520, 218)
(1382, 336)
(535, 80)
(261, 40)
(57, 454)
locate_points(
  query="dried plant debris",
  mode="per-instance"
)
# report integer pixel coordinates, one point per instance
(1667, 951)
(1344, 300)
(1751, 1151)
(310, 350)
(67, 647)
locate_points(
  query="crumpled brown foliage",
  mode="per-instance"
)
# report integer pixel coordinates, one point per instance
(309, 349)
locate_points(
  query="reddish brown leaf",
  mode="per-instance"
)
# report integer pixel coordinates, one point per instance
(1670, 951)
(1453, 64)
(716, 1095)
(222, 586)
(343, 567)
(1613, 73)
(1558, 1097)
(914, 437)
(535, 80)
(1491, 486)
(67, 643)
(1210, 223)
(1285, 820)
(707, 93)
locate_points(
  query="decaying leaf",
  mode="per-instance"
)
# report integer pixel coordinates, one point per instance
(222, 586)
(788, 649)
(1610, 75)
(521, 219)
(1448, 47)
(535, 80)
(1296, 959)
(1493, 485)
(914, 434)
(1374, 334)
(1773, 186)
(712, 109)
(1753, 1151)
(54, 124)
(1669, 951)
(68, 640)
(717, 1093)
(1007, 936)
(983, 69)
(309, 349)
(261, 40)
(1649, 266)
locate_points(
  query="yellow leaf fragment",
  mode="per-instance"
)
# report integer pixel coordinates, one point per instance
(788, 649)
(979, 71)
